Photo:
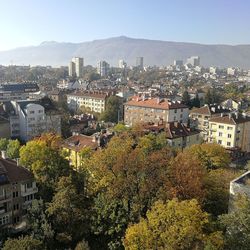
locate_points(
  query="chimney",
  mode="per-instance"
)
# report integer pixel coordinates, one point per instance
(4, 154)
(230, 115)
(221, 115)
(18, 161)
(237, 115)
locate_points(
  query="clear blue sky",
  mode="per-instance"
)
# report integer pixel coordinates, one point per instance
(29, 22)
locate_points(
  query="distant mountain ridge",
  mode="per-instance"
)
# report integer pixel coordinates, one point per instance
(112, 49)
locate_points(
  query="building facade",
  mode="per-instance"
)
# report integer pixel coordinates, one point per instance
(28, 119)
(103, 68)
(93, 101)
(17, 190)
(154, 110)
(76, 67)
(231, 131)
(16, 91)
(139, 62)
(180, 136)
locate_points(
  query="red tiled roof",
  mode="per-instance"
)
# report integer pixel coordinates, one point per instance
(203, 111)
(154, 103)
(14, 173)
(78, 142)
(176, 130)
(91, 95)
(232, 120)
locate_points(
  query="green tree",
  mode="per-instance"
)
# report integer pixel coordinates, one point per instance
(172, 226)
(211, 155)
(109, 221)
(3, 144)
(43, 157)
(186, 98)
(13, 149)
(237, 226)
(23, 243)
(82, 245)
(196, 101)
(217, 183)
(39, 225)
(68, 210)
(208, 98)
(113, 107)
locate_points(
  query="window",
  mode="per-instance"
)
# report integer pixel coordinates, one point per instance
(40, 111)
(174, 118)
(229, 128)
(15, 194)
(229, 136)
(219, 141)
(220, 134)
(181, 115)
(181, 110)
(29, 185)
(32, 112)
(228, 144)
(4, 220)
(175, 110)
(16, 207)
(221, 126)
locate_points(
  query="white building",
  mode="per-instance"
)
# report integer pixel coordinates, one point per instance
(93, 101)
(178, 63)
(122, 64)
(213, 70)
(102, 68)
(194, 61)
(29, 119)
(139, 62)
(231, 71)
(16, 91)
(76, 67)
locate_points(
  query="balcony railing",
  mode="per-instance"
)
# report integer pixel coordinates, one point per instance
(29, 191)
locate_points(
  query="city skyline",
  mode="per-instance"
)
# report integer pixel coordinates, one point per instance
(25, 23)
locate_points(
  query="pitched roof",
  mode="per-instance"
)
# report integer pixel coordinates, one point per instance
(202, 110)
(209, 110)
(230, 119)
(177, 129)
(154, 103)
(78, 142)
(89, 94)
(12, 172)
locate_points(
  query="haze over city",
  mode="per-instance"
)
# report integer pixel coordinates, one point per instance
(124, 125)
(29, 22)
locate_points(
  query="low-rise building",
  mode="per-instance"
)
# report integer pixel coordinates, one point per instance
(154, 110)
(17, 190)
(199, 118)
(94, 101)
(74, 145)
(180, 136)
(16, 91)
(239, 186)
(231, 131)
(28, 119)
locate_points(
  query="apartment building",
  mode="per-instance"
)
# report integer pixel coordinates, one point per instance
(154, 110)
(76, 67)
(180, 136)
(95, 101)
(231, 131)
(16, 91)
(75, 144)
(199, 118)
(28, 119)
(17, 190)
